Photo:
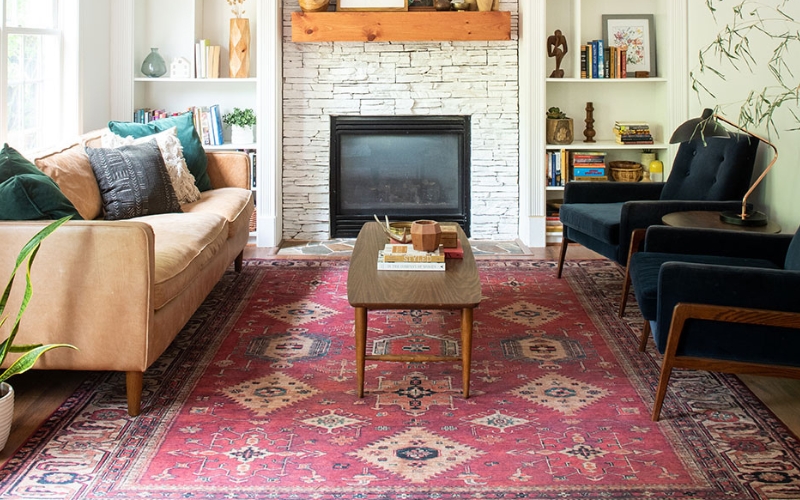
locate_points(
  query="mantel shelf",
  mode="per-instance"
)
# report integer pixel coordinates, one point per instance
(400, 26)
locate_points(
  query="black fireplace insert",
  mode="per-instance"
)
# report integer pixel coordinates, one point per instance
(403, 167)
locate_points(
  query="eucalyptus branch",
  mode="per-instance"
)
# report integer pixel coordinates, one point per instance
(735, 47)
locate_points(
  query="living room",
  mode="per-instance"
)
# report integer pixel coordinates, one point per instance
(502, 85)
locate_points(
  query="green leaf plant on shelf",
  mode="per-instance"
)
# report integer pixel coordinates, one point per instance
(758, 32)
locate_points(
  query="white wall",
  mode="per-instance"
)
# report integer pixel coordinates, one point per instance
(777, 195)
(94, 67)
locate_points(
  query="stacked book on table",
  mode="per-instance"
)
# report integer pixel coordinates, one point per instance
(589, 166)
(632, 133)
(403, 257)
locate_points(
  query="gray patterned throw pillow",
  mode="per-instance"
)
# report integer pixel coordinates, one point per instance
(133, 181)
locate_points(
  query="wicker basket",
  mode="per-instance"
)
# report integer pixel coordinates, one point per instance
(626, 171)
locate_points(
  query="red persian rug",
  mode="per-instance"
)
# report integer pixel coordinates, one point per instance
(256, 399)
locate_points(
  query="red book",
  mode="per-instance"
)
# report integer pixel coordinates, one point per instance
(456, 252)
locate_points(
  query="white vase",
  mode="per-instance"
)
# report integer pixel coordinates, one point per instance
(241, 135)
(6, 412)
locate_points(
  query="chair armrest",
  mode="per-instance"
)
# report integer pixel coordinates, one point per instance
(697, 241)
(755, 288)
(611, 192)
(229, 169)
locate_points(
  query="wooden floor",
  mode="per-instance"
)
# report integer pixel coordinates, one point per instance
(39, 393)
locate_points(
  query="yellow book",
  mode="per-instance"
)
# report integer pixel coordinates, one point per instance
(404, 252)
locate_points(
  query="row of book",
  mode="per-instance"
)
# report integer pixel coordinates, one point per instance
(208, 123)
(632, 133)
(147, 115)
(206, 59)
(563, 166)
(599, 61)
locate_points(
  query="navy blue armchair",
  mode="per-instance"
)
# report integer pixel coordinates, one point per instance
(706, 175)
(719, 300)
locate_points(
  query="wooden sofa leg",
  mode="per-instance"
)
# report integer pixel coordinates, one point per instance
(133, 387)
(645, 336)
(562, 255)
(237, 263)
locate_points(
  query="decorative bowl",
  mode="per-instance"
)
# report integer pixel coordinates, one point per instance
(314, 5)
(626, 171)
(460, 5)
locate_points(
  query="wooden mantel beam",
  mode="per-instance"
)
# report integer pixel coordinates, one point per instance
(400, 26)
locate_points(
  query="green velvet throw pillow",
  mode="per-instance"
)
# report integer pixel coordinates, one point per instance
(27, 193)
(193, 150)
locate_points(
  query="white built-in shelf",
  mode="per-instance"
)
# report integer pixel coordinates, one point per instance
(595, 81)
(229, 147)
(604, 145)
(195, 80)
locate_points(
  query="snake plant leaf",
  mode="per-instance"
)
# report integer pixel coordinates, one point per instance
(27, 360)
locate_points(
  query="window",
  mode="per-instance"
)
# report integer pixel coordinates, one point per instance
(31, 46)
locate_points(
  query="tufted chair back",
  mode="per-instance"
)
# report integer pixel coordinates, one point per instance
(719, 170)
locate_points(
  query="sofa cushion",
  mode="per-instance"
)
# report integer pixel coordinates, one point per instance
(182, 180)
(184, 244)
(192, 146)
(26, 193)
(228, 202)
(70, 168)
(133, 181)
(33, 197)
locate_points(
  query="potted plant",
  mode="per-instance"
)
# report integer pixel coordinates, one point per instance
(241, 122)
(559, 127)
(29, 353)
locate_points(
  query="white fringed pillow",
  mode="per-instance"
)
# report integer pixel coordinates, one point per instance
(172, 152)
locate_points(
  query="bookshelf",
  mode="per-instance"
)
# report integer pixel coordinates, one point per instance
(660, 100)
(174, 27)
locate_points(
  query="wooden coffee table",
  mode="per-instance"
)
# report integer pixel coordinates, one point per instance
(458, 287)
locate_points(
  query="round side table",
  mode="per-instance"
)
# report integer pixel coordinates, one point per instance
(710, 220)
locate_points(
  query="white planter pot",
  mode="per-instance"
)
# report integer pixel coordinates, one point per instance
(241, 135)
(6, 412)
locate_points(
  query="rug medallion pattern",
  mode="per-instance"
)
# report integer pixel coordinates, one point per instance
(256, 399)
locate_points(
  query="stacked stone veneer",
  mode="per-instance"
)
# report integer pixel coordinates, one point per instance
(480, 79)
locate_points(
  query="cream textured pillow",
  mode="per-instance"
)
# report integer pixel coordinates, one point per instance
(182, 180)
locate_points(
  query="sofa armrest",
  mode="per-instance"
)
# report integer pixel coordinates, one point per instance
(723, 243)
(611, 192)
(229, 169)
(93, 283)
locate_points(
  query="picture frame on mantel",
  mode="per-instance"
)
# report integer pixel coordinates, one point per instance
(638, 33)
(371, 5)
(420, 5)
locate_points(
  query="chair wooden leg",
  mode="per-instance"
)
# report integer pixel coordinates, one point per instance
(661, 391)
(637, 236)
(133, 386)
(645, 336)
(562, 255)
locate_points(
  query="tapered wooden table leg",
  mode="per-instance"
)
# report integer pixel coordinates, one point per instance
(466, 347)
(361, 347)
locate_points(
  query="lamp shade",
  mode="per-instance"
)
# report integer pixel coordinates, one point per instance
(704, 126)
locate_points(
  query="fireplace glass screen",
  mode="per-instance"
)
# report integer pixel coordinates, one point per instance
(405, 168)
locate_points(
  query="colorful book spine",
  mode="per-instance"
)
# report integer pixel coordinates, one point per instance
(583, 61)
(600, 58)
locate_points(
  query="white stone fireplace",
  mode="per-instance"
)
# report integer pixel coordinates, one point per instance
(477, 79)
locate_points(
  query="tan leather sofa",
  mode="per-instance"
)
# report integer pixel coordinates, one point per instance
(120, 291)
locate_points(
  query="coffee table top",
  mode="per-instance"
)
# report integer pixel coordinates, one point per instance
(457, 287)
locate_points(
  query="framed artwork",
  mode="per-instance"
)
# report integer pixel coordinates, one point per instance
(373, 5)
(638, 33)
(420, 5)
